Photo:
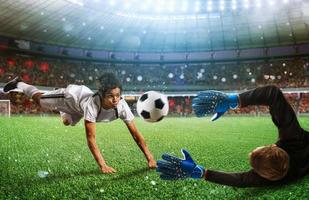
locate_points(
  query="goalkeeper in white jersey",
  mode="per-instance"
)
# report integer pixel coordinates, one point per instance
(75, 102)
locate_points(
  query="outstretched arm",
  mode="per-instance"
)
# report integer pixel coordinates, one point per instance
(91, 141)
(138, 138)
(173, 168)
(240, 179)
(281, 111)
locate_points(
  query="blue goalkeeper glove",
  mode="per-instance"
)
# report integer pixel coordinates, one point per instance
(173, 168)
(213, 102)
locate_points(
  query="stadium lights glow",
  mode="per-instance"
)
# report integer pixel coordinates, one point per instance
(285, 1)
(171, 17)
(271, 3)
(258, 3)
(234, 5)
(197, 9)
(144, 7)
(171, 6)
(112, 3)
(77, 2)
(184, 6)
(127, 6)
(221, 5)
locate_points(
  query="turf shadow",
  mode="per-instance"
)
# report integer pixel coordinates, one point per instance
(92, 173)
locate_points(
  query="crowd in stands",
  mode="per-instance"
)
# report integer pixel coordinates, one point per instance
(289, 73)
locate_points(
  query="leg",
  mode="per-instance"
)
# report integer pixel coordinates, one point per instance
(66, 118)
(29, 90)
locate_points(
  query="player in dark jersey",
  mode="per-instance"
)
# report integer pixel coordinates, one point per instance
(285, 161)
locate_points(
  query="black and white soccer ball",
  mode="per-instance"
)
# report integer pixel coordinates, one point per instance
(152, 106)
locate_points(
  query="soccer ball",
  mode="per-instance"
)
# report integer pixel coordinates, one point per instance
(152, 106)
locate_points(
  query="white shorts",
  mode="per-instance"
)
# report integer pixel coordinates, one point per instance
(59, 100)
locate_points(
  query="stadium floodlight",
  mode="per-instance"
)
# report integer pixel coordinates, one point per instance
(197, 6)
(184, 6)
(258, 3)
(144, 7)
(197, 9)
(221, 5)
(271, 3)
(127, 6)
(77, 2)
(112, 3)
(171, 6)
(209, 6)
(160, 6)
(234, 6)
(285, 1)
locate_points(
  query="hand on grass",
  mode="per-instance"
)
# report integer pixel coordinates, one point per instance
(152, 164)
(107, 170)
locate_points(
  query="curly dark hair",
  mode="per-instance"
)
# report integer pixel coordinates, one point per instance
(107, 82)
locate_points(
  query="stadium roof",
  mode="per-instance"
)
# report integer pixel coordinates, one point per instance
(157, 25)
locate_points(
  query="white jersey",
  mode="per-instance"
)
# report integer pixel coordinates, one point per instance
(79, 101)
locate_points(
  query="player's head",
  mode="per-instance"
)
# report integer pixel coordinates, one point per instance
(270, 162)
(109, 88)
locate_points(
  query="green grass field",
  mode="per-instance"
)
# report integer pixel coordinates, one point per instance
(31, 144)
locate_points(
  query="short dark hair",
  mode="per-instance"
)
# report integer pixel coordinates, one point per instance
(107, 82)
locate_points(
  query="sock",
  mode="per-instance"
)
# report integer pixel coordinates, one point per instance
(29, 90)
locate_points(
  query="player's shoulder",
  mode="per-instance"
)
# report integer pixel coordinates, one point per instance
(122, 104)
(78, 86)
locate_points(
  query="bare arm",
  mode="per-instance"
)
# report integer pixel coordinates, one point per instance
(91, 141)
(138, 138)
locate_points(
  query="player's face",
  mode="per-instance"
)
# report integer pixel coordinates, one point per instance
(111, 98)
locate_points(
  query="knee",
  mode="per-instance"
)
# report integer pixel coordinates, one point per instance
(66, 122)
(36, 98)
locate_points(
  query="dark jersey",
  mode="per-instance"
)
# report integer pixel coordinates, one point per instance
(292, 138)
